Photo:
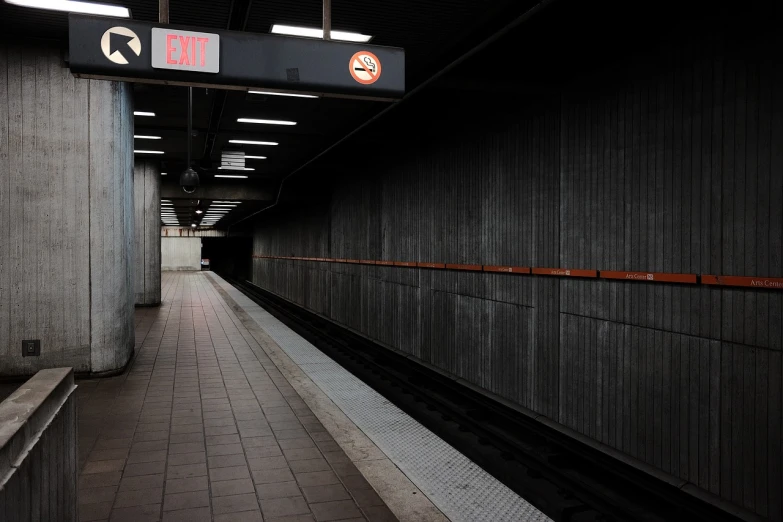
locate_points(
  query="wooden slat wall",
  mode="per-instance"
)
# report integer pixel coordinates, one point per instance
(673, 164)
(60, 195)
(147, 232)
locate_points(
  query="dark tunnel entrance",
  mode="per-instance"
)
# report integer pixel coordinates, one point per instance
(231, 256)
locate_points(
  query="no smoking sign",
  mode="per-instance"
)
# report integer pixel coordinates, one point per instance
(365, 67)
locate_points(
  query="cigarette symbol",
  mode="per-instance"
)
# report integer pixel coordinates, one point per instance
(370, 64)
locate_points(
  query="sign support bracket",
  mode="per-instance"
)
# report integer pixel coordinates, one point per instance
(163, 11)
(327, 19)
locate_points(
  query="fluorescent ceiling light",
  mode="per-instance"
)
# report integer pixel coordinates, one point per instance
(193, 225)
(142, 137)
(265, 122)
(222, 167)
(233, 202)
(199, 211)
(230, 205)
(292, 95)
(226, 176)
(162, 173)
(312, 32)
(142, 113)
(255, 157)
(148, 152)
(248, 142)
(74, 7)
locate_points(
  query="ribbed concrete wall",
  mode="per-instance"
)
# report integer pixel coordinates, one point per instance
(66, 215)
(181, 253)
(672, 167)
(146, 246)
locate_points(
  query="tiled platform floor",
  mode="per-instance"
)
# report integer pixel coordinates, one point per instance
(201, 428)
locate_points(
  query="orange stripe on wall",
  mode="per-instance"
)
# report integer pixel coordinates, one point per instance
(507, 269)
(431, 265)
(565, 272)
(649, 277)
(768, 283)
(476, 268)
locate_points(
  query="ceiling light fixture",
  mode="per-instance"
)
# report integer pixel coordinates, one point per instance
(193, 225)
(143, 113)
(199, 212)
(312, 32)
(74, 7)
(265, 122)
(227, 176)
(162, 173)
(248, 142)
(226, 167)
(148, 152)
(255, 157)
(292, 95)
(142, 137)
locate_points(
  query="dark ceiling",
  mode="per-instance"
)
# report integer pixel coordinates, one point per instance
(432, 32)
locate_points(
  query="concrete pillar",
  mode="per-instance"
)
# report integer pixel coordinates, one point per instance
(146, 251)
(66, 215)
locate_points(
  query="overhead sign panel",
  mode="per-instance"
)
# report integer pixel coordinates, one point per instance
(122, 49)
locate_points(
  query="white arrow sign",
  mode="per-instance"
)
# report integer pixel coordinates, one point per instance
(114, 41)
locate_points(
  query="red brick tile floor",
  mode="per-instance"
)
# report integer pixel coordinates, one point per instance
(203, 427)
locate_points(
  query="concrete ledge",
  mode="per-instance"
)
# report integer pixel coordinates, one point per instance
(41, 410)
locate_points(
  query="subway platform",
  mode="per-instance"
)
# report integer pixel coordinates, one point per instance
(225, 414)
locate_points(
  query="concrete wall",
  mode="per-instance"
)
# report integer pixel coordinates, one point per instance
(66, 215)
(191, 232)
(146, 246)
(668, 162)
(38, 449)
(180, 253)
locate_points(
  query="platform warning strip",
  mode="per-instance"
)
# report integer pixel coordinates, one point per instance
(760, 283)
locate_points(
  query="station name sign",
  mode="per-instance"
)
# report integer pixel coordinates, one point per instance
(145, 52)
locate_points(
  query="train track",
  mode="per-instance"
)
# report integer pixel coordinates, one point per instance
(567, 480)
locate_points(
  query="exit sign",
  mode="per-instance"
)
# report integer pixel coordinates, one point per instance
(185, 50)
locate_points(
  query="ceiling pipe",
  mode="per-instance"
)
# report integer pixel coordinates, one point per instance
(524, 17)
(237, 21)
